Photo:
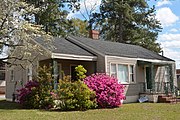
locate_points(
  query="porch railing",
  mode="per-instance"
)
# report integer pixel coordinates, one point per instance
(159, 87)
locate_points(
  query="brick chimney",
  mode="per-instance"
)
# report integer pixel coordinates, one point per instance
(94, 34)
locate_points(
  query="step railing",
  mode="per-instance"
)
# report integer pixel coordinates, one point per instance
(170, 89)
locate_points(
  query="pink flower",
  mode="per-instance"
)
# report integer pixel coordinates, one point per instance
(109, 92)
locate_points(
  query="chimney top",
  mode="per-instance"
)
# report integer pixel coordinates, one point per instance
(94, 34)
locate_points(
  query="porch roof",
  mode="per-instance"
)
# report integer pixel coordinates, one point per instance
(153, 62)
(63, 49)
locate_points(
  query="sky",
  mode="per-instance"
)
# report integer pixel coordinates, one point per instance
(167, 12)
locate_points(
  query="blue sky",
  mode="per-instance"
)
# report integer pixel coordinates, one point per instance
(168, 13)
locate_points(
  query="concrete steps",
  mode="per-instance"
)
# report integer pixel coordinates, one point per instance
(168, 99)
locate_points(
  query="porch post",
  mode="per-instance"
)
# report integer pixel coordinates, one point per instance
(152, 78)
(171, 73)
(55, 73)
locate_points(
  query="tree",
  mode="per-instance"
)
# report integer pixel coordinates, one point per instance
(128, 21)
(16, 33)
(79, 27)
(52, 15)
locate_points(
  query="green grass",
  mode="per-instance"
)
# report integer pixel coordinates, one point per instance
(135, 111)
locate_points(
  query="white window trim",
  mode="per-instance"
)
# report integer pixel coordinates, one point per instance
(110, 69)
(29, 72)
(129, 82)
(12, 75)
(134, 76)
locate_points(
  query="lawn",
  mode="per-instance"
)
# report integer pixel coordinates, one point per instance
(135, 111)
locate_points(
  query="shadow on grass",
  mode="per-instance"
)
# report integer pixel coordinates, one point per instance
(9, 105)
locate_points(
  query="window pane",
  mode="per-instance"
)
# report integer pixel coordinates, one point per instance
(113, 67)
(131, 69)
(29, 75)
(113, 70)
(122, 73)
(12, 75)
(73, 73)
(2, 75)
(132, 77)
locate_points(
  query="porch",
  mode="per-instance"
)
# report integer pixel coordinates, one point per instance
(64, 67)
(159, 88)
(159, 80)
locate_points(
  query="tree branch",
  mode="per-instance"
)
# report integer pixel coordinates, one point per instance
(9, 45)
(4, 20)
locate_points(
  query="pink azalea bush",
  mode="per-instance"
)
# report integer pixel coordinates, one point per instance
(37, 93)
(27, 92)
(109, 92)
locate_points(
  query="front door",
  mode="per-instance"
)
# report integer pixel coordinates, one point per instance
(73, 72)
(148, 78)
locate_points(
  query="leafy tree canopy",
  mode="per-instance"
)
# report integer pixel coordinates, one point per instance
(128, 21)
(17, 32)
(52, 15)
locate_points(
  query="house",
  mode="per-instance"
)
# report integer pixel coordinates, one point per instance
(2, 78)
(142, 71)
(178, 77)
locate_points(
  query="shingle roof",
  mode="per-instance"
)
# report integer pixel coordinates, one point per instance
(63, 46)
(120, 49)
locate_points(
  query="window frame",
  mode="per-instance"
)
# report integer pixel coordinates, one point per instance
(30, 72)
(133, 73)
(128, 66)
(4, 76)
(113, 72)
(12, 77)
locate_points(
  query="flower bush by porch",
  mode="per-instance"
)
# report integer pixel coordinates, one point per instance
(74, 96)
(27, 95)
(109, 92)
(69, 96)
(37, 93)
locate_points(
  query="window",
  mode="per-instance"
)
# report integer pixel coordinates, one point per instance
(124, 73)
(73, 72)
(113, 70)
(12, 75)
(2, 75)
(2, 71)
(2, 66)
(131, 73)
(29, 74)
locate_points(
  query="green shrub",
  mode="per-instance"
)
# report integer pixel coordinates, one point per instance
(80, 72)
(37, 93)
(74, 96)
(45, 87)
